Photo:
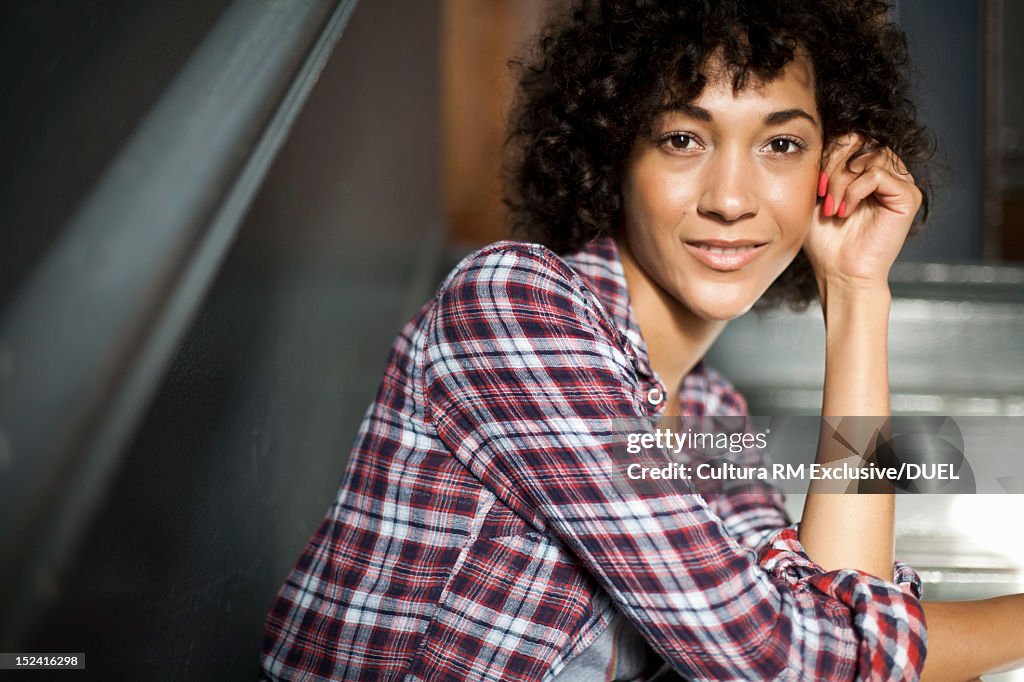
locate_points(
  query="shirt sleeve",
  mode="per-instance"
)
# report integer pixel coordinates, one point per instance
(753, 511)
(527, 386)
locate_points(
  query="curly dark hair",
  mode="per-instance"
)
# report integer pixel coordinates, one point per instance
(601, 74)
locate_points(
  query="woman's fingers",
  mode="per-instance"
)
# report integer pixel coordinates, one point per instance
(886, 187)
(851, 180)
(836, 175)
(887, 179)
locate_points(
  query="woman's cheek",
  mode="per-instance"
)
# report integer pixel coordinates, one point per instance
(796, 214)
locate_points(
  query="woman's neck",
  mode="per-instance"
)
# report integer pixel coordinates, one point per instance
(676, 338)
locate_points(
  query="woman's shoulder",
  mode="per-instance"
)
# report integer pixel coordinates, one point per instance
(508, 272)
(515, 261)
(523, 287)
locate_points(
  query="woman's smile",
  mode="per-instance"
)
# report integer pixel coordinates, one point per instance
(724, 255)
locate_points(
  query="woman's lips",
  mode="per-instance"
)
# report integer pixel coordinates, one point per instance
(725, 256)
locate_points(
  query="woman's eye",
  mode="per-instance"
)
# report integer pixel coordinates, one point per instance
(782, 145)
(681, 142)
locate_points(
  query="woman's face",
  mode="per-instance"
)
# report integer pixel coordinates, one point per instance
(719, 198)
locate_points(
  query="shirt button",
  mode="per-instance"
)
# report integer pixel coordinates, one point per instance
(654, 396)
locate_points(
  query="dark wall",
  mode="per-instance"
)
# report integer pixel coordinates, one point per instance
(242, 451)
(75, 79)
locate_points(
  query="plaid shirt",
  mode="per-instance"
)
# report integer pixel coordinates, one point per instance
(477, 534)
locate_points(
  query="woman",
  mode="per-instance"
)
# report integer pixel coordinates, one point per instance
(679, 162)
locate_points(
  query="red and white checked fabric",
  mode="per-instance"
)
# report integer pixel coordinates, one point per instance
(479, 533)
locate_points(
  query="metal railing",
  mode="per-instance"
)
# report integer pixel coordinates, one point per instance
(85, 340)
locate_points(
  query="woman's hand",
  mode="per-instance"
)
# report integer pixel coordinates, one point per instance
(868, 207)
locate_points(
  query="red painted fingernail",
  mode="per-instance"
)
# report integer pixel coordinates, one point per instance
(822, 184)
(842, 209)
(829, 205)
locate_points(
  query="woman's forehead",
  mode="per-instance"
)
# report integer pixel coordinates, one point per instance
(791, 87)
(719, 73)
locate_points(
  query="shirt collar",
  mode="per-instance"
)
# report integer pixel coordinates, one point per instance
(599, 265)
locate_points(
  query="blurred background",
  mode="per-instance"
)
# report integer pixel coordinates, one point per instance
(216, 215)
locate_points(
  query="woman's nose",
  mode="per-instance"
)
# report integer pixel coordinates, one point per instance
(728, 190)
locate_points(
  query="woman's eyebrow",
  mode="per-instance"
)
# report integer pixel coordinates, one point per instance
(786, 115)
(693, 111)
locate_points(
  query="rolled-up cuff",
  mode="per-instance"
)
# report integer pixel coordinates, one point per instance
(886, 615)
(784, 557)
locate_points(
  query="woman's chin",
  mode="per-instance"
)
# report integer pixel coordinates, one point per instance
(721, 308)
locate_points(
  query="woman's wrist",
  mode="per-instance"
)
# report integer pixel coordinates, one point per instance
(856, 350)
(845, 299)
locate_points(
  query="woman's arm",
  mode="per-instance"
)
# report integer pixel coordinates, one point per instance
(839, 530)
(852, 259)
(869, 206)
(973, 638)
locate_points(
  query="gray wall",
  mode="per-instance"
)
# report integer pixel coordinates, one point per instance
(944, 44)
(242, 451)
